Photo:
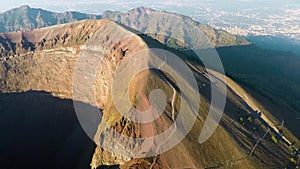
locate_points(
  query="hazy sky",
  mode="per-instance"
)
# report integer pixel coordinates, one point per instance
(98, 6)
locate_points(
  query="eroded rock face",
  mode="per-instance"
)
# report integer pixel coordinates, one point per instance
(48, 65)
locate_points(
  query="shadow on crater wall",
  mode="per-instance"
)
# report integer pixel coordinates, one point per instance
(41, 131)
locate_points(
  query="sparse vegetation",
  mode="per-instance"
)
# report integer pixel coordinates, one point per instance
(274, 139)
(249, 119)
(292, 160)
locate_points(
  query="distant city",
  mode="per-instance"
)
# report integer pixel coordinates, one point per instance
(256, 22)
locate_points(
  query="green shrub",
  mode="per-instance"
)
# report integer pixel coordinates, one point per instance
(292, 159)
(274, 139)
(249, 119)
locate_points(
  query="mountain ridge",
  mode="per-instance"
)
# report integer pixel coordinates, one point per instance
(26, 18)
(157, 23)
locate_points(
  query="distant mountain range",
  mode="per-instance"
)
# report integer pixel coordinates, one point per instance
(26, 18)
(142, 19)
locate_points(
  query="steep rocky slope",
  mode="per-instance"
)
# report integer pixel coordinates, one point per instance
(49, 66)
